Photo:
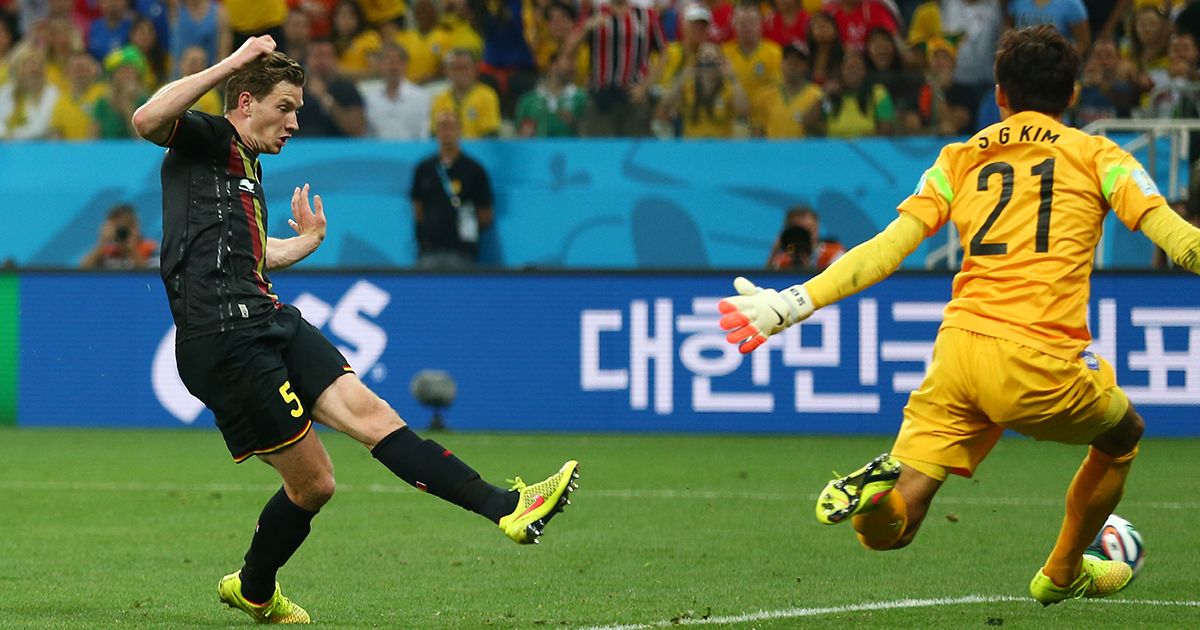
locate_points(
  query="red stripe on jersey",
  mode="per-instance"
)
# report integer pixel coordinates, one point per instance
(628, 41)
(603, 35)
(238, 168)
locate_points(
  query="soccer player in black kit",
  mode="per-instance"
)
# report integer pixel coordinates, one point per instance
(267, 374)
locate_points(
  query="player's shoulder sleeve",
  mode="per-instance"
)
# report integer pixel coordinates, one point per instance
(931, 200)
(201, 134)
(1124, 183)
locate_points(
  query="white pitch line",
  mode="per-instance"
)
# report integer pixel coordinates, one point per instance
(796, 613)
(612, 493)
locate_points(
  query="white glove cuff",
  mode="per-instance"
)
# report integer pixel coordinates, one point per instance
(798, 301)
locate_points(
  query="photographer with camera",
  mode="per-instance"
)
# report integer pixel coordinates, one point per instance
(121, 245)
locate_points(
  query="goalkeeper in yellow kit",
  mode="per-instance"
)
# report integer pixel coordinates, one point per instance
(1028, 196)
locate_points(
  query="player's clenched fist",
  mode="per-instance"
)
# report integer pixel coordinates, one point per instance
(251, 49)
(756, 313)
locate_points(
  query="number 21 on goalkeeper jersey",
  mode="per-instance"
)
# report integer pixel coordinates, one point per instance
(1028, 197)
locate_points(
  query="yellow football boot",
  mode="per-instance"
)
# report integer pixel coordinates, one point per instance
(1097, 578)
(278, 610)
(538, 503)
(842, 497)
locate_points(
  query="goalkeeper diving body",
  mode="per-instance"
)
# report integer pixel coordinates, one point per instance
(265, 372)
(1028, 196)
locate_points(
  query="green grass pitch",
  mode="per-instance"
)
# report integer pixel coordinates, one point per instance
(132, 529)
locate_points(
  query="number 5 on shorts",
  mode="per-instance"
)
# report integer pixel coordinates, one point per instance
(289, 397)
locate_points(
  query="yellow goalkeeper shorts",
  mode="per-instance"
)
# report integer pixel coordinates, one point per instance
(978, 386)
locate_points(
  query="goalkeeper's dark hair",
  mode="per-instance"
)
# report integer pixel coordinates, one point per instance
(261, 76)
(1036, 67)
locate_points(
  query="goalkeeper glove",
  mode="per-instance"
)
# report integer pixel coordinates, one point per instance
(756, 313)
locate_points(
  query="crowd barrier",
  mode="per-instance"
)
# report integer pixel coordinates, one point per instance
(608, 204)
(567, 351)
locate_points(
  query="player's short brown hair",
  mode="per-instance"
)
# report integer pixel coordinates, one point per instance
(261, 76)
(1036, 67)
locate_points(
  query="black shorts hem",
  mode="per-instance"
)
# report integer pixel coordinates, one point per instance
(278, 447)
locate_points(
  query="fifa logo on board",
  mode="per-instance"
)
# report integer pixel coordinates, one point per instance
(348, 323)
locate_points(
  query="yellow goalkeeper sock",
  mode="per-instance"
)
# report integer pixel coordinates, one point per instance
(881, 528)
(1091, 497)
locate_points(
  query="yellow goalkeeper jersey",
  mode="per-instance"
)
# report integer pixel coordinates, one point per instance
(1028, 196)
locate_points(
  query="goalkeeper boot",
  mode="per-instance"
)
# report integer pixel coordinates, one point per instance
(1097, 578)
(278, 609)
(538, 503)
(844, 497)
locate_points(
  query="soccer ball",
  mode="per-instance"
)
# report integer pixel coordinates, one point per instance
(1118, 540)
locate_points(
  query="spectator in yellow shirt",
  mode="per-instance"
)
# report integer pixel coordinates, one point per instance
(420, 41)
(360, 49)
(793, 109)
(72, 118)
(61, 40)
(353, 39)
(475, 104)
(682, 53)
(248, 18)
(27, 100)
(558, 22)
(194, 59)
(755, 60)
(708, 96)
(378, 12)
(455, 30)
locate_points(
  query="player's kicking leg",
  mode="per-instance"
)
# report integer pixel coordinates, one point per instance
(521, 512)
(886, 501)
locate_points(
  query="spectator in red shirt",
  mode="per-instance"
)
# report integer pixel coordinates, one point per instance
(857, 18)
(621, 39)
(787, 23)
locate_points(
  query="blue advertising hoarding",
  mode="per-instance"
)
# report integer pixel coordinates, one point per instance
(581, 352)
(573, 204)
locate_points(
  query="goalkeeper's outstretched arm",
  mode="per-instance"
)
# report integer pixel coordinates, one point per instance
(867, 263)
(755, 314)
(1178, 238)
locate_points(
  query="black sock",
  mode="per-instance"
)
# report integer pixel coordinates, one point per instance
(429, 467)
(282, 527)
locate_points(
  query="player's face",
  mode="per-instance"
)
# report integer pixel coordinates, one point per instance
(273, 119)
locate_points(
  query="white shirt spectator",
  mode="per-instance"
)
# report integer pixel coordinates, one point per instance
(35, 116)
(979, 23)
(400, 116)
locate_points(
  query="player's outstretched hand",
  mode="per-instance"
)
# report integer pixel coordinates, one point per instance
(754, 314)
(306, 221)
(252, 49)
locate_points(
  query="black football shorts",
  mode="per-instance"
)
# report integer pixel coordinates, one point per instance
(261, 382)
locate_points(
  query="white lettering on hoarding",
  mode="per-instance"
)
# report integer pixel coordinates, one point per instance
(655, 335)
(1158, 362)
(348, 320)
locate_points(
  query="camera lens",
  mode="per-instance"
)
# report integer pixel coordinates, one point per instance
(123, 233)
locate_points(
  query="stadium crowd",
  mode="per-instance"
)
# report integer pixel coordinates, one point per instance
(76, 69)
